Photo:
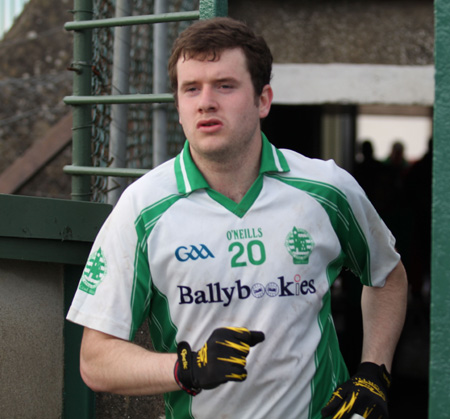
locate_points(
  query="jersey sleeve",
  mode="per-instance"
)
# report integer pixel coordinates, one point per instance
(371, 252)
(103, 300)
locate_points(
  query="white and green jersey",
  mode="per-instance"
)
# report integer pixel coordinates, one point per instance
(191, 260)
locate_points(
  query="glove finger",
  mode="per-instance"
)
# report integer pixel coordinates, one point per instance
(235, 337)
(337, 413)
(228, 344)
(330, 408)
(237, 340)
(337, 402)
(236, 373)
(223, 375)
(346, 409)
(256, 337)
(244, 335)
(235, 334)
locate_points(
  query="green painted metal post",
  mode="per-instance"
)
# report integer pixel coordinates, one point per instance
(213, 8)
(439, 393)
(82, 114)
(79, 400)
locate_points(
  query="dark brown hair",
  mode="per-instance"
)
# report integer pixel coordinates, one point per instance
(207, 39)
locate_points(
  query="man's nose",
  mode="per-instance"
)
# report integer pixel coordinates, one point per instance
(207, 100)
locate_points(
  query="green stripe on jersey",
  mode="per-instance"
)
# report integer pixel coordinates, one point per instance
(178, 398)
(162, 330)
(144, 290)
(343, 220)
(330, 365)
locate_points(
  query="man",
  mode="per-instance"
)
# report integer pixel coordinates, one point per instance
(230, 250)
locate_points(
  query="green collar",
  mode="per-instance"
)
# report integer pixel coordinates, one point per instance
(190, 179)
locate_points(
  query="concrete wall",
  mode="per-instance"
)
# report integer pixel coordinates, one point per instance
(346, 52)
(395, 32)
(31, 339)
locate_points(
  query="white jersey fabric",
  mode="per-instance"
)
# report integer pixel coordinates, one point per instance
(189, 260)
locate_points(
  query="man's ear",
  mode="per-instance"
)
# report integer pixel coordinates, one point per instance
(265, 101)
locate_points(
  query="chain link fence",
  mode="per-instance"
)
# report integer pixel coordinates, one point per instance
(140, 116)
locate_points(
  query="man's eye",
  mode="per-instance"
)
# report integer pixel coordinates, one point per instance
(191, 89)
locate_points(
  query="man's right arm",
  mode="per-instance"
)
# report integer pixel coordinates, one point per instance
(109, 364)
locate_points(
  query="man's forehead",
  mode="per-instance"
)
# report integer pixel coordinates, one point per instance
(213, 55)
(230, 66)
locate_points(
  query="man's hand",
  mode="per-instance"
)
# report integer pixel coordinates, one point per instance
(221, 359)
(365, 394)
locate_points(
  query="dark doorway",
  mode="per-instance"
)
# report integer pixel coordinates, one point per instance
(297, 128)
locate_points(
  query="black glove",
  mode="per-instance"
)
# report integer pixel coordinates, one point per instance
(222, 358)
(365, 393)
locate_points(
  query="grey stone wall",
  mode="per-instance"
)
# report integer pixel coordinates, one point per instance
(31, 339)
(397, 32)
(34, 79)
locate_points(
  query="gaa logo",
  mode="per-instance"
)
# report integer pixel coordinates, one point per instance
(183, 254)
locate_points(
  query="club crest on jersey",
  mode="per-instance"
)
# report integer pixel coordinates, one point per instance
(299, 244)
(93, 273)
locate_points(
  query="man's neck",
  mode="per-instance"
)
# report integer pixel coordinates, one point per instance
(231, 179)
(230, 186)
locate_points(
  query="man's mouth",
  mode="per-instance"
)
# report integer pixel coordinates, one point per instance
(208, 122)
(209, 125)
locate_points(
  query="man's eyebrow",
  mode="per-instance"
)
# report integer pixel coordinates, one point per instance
(188, 83)
(227, 79)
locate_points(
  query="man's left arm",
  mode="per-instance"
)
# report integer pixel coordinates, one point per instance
(384, 311)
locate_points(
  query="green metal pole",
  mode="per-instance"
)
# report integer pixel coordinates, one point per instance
(439, 392)
(82, 114)
(79, 400)
(213, 8)
(133, 20)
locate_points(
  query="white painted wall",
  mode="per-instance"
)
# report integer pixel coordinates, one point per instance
(353, 84)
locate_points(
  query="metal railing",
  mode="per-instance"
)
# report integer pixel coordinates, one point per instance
(82, 100)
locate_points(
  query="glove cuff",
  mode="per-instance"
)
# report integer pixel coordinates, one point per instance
(375, 372)
(183, 370)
